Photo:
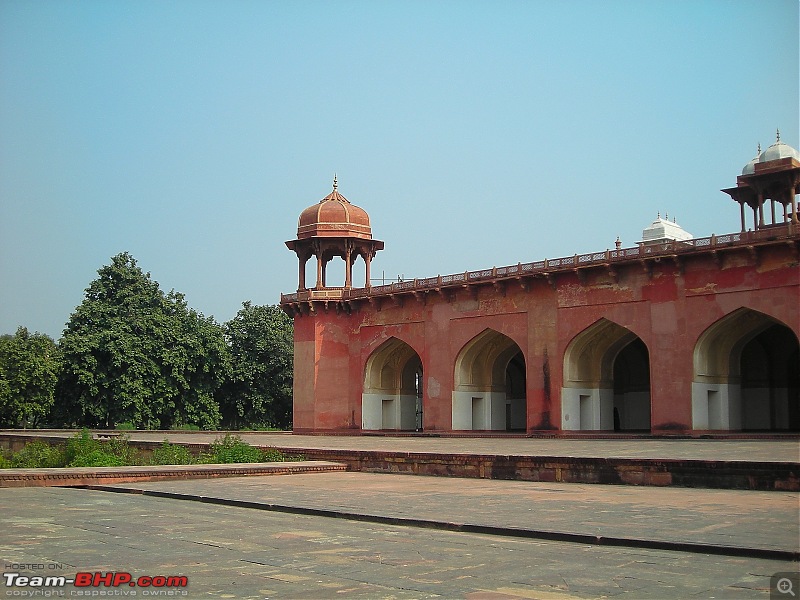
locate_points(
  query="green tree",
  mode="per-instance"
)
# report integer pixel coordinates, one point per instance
(135, 354)
(260, 390)
(29, 368)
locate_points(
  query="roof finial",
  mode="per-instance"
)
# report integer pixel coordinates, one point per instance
(759, 149)
(335, 182)
(659, 215)
(778, 134)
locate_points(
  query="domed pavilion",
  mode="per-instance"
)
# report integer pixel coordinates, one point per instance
(773, 175)
(333, 228)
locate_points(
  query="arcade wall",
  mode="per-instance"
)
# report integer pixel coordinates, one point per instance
(569, 328)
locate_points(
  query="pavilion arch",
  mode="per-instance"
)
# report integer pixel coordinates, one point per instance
(606, 380)
(746, 375)
(490, 384)
(392, 395)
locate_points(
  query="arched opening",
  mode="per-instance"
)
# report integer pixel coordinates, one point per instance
(746, 375)
(490, 385)
(606, 380)
(392, 396)
(632, 388)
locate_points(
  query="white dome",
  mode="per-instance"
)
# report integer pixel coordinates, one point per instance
(750, 167)
(777, 151)
(663, 230)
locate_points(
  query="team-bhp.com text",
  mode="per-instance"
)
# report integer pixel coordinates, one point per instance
(95, 584)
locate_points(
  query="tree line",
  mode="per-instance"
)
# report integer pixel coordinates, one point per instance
(136, 356)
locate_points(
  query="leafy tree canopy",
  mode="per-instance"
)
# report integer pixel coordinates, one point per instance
(29, 367)
(260, 390)
(135, 354)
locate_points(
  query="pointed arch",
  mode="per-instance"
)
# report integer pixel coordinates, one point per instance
(606, 380)
(392, 393)
(490, 384)
(746, 374)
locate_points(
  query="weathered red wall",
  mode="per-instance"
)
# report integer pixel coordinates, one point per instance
(668, 305)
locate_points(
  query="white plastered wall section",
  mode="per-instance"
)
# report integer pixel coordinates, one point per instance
(479, 410)
(729, 407)
(716, 406)
(589, 409)
(388, 411)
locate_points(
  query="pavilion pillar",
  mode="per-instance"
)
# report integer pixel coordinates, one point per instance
(301, 273)
(348, 264)
(741, 210)
(367, 261)
(760, 210)
(320, 276)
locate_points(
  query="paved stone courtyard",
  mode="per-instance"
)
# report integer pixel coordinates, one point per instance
(235, 552)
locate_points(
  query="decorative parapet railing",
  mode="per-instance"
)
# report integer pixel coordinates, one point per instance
(553, 265)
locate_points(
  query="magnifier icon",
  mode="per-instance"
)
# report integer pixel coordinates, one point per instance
(784, 586)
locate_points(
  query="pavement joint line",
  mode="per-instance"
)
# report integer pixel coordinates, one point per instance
(556, 536)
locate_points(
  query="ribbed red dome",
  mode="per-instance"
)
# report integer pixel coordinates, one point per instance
(334, 216)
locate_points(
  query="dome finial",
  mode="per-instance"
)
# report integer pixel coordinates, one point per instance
(335, 182)
(778, 136)
(759, 149)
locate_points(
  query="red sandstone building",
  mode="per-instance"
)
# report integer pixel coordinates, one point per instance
(677, 334)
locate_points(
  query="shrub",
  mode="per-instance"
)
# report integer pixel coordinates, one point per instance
(172, 454)
(126, 426)
(185, 427)
(97, 458)
(38, 454)
(275, 455)
(232, 449)
(84, 451)
(120, 448)
(80, 444)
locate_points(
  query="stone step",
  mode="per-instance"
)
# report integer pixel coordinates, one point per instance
(85, 476)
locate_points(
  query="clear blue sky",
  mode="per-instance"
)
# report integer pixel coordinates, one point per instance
(475, 133)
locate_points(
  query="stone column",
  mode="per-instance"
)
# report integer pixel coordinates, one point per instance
(301, 274)
(348, 264)
(367, 261)
(320, 276)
